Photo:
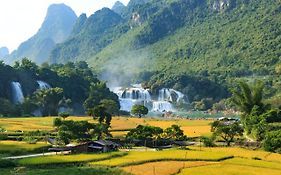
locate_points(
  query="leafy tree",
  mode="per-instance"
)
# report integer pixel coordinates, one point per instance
(139, 110)
(64, 115)
(29, 105)
(209, 141)
(103, 116)
(69, 130)
(111, 106)
(145, 132)
(272, 141)
(6, 107)
(227, 131)
(174, 132)
(274, 115)
(97, 94)
(100, 131)
(49, 100)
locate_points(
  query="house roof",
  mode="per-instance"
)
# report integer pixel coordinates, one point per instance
(105, 142)
(183, 143)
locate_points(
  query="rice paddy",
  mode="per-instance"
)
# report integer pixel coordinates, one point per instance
(60, 159)
(8, 146)
(138, 157)
(163, 168)
(229, 169)
(196, 160)
(192, 128)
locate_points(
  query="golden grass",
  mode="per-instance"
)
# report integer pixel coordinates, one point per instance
(67, 158)
(254, 163)
(241, 152)
(228, 169)
(192, 128)
(163, 168)
(15, 145)
(27, 124)
(134, 157)
(119, 133)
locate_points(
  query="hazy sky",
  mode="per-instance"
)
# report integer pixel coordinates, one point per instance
(20, 19)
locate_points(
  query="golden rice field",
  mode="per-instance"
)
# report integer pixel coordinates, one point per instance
(161, 163)
(192, 128)
(68, 158)
(163, 168)
(139, 157)
(229, 169)
(241, 152)
(15, 145)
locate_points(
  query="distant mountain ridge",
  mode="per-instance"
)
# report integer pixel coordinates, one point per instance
(89, 36)
(4, 51)
(55, 29)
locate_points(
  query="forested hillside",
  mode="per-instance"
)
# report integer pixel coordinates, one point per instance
(27, 89)
(199, 47)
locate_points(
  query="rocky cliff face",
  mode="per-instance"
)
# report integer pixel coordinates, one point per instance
(55, 29)
(118, 7)
(220, 5)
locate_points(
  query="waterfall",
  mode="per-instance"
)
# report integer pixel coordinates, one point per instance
(136, 94)
(165, 94)
(170, 95)
(17, 93)
(162, 106)
(43, 85)
(179, 95)
(129, 97)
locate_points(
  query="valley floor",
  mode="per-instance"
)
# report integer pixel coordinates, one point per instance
(195, 160)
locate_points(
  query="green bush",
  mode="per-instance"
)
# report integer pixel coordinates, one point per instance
(208, 141)
(7, 163)
(272, 141)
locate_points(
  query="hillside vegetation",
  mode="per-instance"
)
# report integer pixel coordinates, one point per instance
(181, 43)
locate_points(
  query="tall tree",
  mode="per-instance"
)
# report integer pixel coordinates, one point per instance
(139, 110)
(246, 97)
(49, 100)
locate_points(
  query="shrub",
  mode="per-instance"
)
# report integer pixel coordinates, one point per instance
(64, 115)
(7, 163)
(272, 141)
(208, 141)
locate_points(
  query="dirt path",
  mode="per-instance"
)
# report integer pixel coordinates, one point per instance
(37, 155)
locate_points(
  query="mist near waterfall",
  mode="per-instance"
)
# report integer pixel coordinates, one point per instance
(123, 70)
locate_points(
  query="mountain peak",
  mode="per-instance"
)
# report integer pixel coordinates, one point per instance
(118, 7)
(60, 17)
(55, 29)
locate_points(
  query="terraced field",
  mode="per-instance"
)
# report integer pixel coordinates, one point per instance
(195, 160)
(137, 157)
(211, 160)
(63, 159)
(16, 148)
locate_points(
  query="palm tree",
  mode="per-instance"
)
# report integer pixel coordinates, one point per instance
(246, 97)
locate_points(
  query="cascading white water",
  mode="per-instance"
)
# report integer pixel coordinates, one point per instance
(138, 95)
(17, 93)
(43, 85)
(129, 97)
(179, 95)
(165, 95)
(162, 106)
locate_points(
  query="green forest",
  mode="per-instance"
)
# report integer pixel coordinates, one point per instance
(72, 88)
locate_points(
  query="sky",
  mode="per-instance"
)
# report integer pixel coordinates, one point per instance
(21, 19)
